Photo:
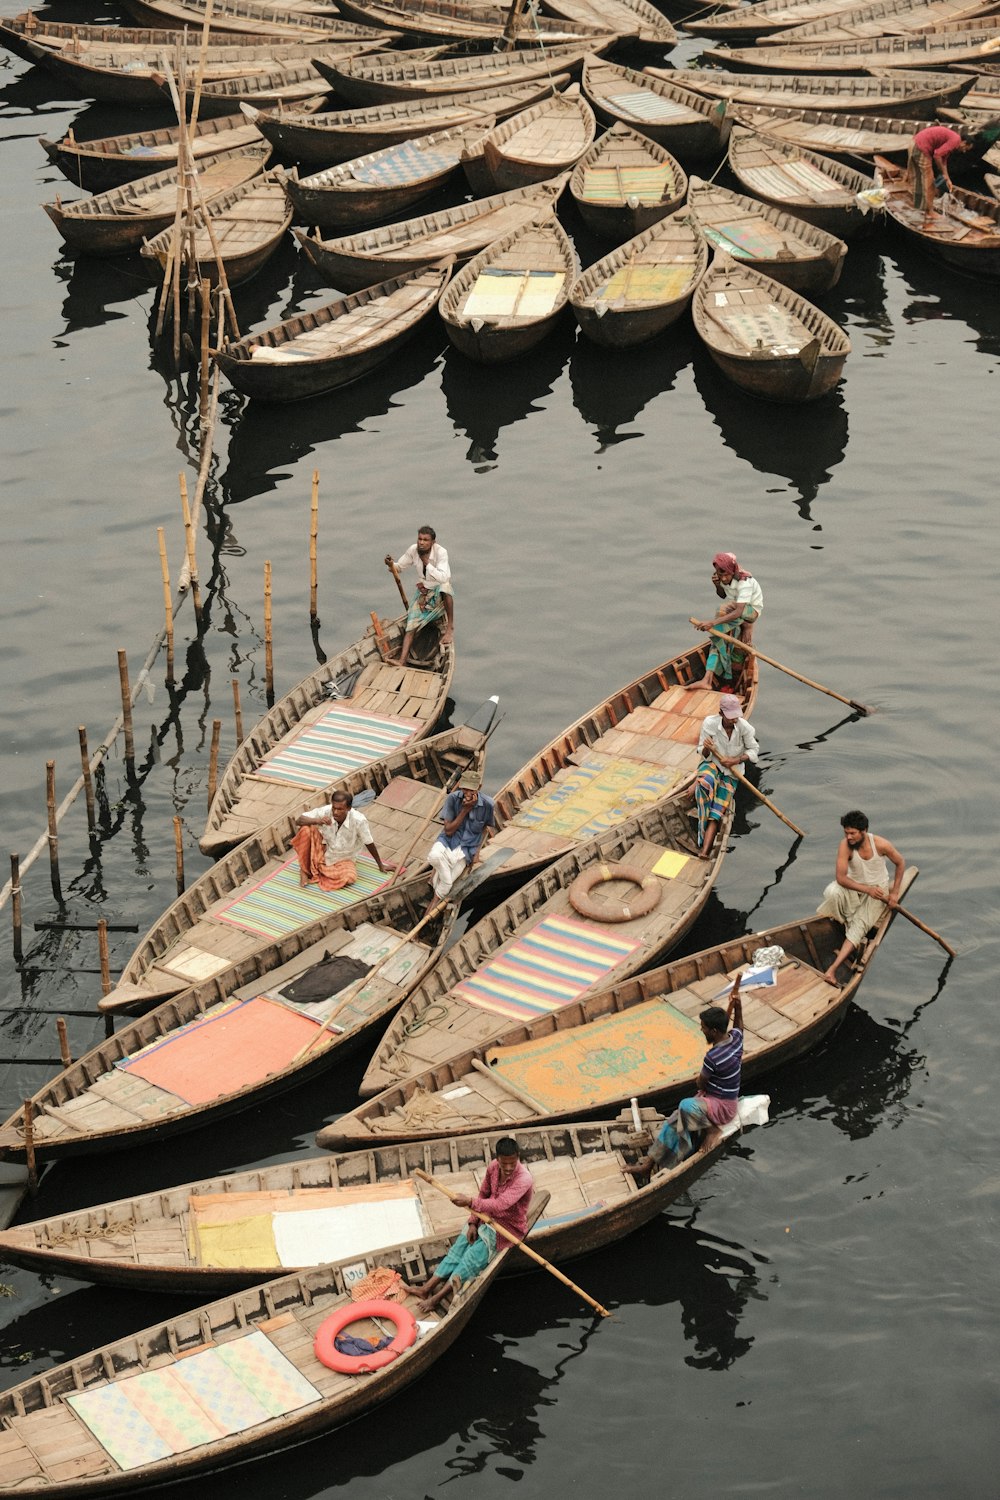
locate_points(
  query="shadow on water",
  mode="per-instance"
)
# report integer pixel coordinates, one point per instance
(963, 299)
(611, 389)
(482, 400)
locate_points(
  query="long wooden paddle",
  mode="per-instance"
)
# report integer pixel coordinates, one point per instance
(399, 584)
(862, 708)
(902, 911)
(513, 1240)
(439, 801)
(732, 771)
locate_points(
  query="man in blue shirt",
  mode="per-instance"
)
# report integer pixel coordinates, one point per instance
(467, 817)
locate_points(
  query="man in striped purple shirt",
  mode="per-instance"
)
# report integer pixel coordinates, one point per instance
(717, 1098)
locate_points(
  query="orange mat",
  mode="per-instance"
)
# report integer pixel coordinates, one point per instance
(223, 1053)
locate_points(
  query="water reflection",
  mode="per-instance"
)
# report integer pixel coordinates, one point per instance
(482, 400)
(611, 389)
(95, 284)
(942, 295)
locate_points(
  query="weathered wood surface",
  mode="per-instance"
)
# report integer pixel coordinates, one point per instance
(111, 161)
(691, 127)
(912, 95)
(509, 296)
(634, 293)
(813, 187)
(625, 183)
(248, 224)
(781, 245)
(962, 228)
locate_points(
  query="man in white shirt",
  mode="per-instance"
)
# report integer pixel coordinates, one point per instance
(434, 598)
(727, 742)
(329, 840)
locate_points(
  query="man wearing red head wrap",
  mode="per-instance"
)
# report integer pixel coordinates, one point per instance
(742, 602)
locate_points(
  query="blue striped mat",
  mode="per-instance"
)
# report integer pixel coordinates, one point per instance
(339, 741)
(278, 905)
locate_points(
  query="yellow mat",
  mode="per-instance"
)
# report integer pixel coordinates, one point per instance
(237, 1229)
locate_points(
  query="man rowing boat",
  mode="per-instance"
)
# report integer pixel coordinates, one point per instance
(743, 600)
(861, 889)
(727, 742)
(434, 595)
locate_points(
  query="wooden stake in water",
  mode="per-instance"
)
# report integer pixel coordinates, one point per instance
(203, 366)
(29, 1147)
(50, 805)
(179, 853)
(268, 648)
(168, 602)
(15, 905)
(213, 761)
(313, 534)
(88, 780)
(105, 960)
(237, 712)
(126, 707)
(189, 539)
(64, 1052)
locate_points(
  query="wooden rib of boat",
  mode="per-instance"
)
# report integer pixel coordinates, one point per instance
(248, 225)
(117, 222)
(647, 1024)
(342, 135)
(282, 761)
(881, 18)
(763, 20)
(813, 187)
(509, 296)
(766, 338)
(384, 182)
(691, 127)
(979, 102)
(250, 1358)
(539, 143)
(377, 254)
(781, 245)
(111, 161)
(913, 95)
(962, 228)
(534, 954)
(180, 1239)
(224, 1044)
(642, 287)
(395, 76)
(333, 345)
(442, 20)
(634, 20)
(935, 50)
(258, 16)
(626, 183)
(993, 183)
(849, 136)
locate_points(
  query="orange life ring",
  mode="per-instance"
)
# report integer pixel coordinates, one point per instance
(646, 901)
(328, 1354)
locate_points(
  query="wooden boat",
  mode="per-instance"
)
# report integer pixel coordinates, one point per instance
(626, 183)
(962, 229)
(117, 222)
(113, 160)
(56, 36)
(913, 95)
(330, 346)
(127, 1412)
(341, 135)
(376, 708)
(766, 338)
(297, 1213)
(936, 50)
(261, 17)
(384, 182)
(781, 245)
(635, 20)
(395, 76)
(881, 18)
(546, 1067)
(803, 183)
(299, 85)
(847, 136)
(539, 143)
(248, 224)
(690, 126)
(993, 183)
(763, 20)
(375, 255)
(536, 952)
(642, 287)
(979, 103)
(509, 296)
(442, 20)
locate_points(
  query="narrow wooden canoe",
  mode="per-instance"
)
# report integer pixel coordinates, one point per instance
(535, 953)
(509, 296)
(781, 245)
(113, 160)
(962, 229)
(250, 1361)
(341, 135)
(248, 223)
(690, 126)
(299, 85)
(912, 95)
(635, 20)
(846, 136)
(441, 20)
(179, 1239)
(769, 17)
(813, 187)
(539, 143)
(375, 255)
(643, 286)
(331, 346)
(385, 182)
(395, 76)
(626, 183)
(117, 222)
(935, 50)
(264, 19)
(881, 18)
(647, 1026)
(766, 338)
(57, 36)
(286, 758)
(979, 103)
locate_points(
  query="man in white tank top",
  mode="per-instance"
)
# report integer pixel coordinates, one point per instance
(861, 890)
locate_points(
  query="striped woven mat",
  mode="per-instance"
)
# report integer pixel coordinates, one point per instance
(615, 184)
(337, 742)
(546, 969)
(644, 104)
(278, 904)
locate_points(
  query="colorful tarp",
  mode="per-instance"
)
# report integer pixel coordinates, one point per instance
(279, 904)
(546, 969)
(340, 740)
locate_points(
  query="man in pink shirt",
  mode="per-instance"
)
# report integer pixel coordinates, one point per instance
(505, 1195)
(929, 155)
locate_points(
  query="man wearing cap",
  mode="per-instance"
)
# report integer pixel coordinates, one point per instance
(467, 817)
(742, 601)
(727, 742)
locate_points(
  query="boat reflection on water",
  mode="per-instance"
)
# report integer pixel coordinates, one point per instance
(964, 299)
(482, 400)
(610, 389)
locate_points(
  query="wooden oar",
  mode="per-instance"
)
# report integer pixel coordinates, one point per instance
(439, 801)
(399, 584)
(902, 911)
(732, 771)
(513, 1240)
(862, 708)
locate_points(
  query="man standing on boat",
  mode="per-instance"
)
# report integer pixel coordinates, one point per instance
(727, 742)
(434, 597)
(929, 157)
(467, 816)
(329, 840)
(861, 888)
(743, 600)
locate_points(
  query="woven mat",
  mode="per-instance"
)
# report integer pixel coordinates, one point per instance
(592, 798)
(547, 968)
(407, 163)
(615, 184)
(340, 740)
(503, 294)
(606, 1060)
(644, 104)
(648, 283)
(278, 904)
(746, 241)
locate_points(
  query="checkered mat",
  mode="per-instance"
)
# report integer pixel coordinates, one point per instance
(408, 163)
(546, 969)
(279, 904)
(340, 740)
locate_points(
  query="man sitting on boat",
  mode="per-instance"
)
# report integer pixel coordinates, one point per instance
(717, 1099)
(742, 603)
(328, 841)
(505, 1195)
(861, 888)
(727, 742)
(467, 816)
(434, 597)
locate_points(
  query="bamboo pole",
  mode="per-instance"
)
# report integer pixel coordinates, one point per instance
(237, 712)
(203, 359)
(53, 826)
(902, 912)
(213, 762)
(861, 708)
(313, 535)
(126, 706)
(399, 584)
(15, 905)
(508, 1088)
(189, 542)
(513, 1240)
(179, 854)
(64, 1052)
(29, 1148)
(168, 602)
(102, 949)
(268, 646)
(88, 782)
(738, 776)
